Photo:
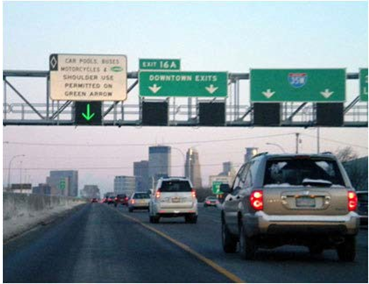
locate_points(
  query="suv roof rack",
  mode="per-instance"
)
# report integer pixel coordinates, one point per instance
(327, 153)
(259, 154)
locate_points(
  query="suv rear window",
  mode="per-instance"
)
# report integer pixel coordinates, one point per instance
(141, 196)
(175, 186)
(299, 171)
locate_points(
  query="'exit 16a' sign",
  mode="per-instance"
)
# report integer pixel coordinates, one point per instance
(160, 64)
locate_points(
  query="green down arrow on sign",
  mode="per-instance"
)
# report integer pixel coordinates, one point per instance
(183, 84)
(88, 116)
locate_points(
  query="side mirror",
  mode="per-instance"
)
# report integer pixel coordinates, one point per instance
(225, 188)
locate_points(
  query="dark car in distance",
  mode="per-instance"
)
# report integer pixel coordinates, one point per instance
(121, 199)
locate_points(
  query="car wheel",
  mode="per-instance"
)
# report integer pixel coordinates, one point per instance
(130, 209)
(315, 249)
(248, 246)
(115, 205)
(205, 205)
(347, 250)
(229, 242)
(155, 219)
(191, 218)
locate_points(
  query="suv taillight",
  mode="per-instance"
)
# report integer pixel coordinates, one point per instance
(193, 193)
(256, 200)
(157, 195)
(352, 201)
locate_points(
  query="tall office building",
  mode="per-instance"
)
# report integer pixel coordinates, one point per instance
(250, 152)
(63, 183)
(192, 167)
(141, 173)
(159, 163)
(124, 184)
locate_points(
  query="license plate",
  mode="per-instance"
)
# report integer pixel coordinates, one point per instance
(305, 202)
(175, 199)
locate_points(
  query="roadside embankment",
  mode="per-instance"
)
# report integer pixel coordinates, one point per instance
(22, 212)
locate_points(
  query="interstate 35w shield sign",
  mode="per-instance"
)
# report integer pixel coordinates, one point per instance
(298, 85)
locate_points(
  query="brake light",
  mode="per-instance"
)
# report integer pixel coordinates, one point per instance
(256, 200)
(116, 198)
(193, 192)
(157, 195)
(352, 201)
(132, 201)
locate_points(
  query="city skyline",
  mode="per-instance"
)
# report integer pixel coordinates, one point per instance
(195, 33)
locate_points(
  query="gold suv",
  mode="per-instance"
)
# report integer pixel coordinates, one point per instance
(290, 199)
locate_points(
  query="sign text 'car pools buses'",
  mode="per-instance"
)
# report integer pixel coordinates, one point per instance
(183, 84)
(88, 77)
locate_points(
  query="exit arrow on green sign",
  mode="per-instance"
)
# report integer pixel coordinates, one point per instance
(298, 85)
(88, 116)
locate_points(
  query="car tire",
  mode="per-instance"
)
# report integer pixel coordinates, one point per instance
(190, 218)
(130, 210)
(315, 249)
(347, 250)
(229, 242)
(247, 244)
(155, 219)
(205, 205)
(115, 205)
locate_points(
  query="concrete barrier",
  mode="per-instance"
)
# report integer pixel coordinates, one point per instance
(22, 212)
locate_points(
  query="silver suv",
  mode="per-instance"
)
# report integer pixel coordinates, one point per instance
(291, 199)
(173, 197)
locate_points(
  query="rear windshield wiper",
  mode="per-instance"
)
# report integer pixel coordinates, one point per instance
(316, 182)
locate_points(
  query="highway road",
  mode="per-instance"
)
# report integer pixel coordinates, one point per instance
(100, 243)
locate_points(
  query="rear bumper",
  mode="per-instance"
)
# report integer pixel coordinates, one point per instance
(169, 212)
(262, 223)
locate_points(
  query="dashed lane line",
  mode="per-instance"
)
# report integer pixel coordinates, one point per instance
(199, 256)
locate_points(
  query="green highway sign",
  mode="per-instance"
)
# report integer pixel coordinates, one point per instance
(298, 85)
(216, 187)
(183, 84)
(62, 184)
(160, 64)
(363, 84)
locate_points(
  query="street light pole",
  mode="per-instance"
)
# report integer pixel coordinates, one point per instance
(297, 142)
(10, 165)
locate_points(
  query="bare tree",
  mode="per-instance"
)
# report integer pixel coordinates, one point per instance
(346, 154)
(356, 169)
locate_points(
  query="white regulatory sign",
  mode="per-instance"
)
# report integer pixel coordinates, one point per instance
(75, 77)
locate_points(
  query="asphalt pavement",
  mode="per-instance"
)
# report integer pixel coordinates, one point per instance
(100, 243)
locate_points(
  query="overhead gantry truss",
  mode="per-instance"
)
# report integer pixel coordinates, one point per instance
(19, 110)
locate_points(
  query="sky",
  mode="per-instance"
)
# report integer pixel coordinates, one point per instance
(206, 36)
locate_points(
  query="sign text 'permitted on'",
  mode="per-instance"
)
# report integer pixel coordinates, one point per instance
(183, 84)
(88, 77)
